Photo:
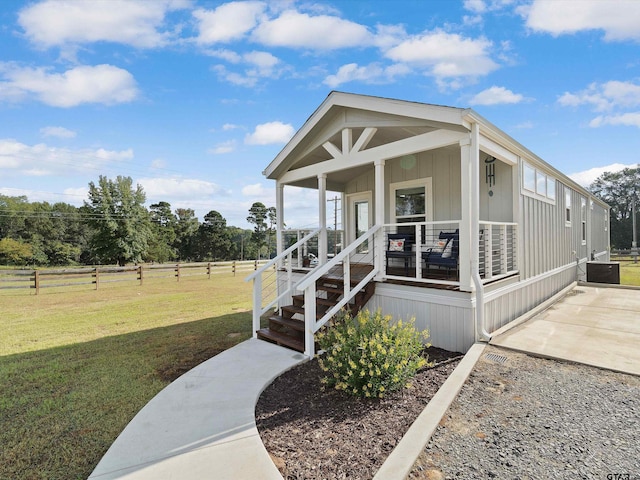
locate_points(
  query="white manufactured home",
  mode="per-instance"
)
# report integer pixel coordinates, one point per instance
(447, 219)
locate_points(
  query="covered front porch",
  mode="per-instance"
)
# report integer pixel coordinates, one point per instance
(427, 198)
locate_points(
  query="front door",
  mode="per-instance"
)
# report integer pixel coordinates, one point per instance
(359, 221)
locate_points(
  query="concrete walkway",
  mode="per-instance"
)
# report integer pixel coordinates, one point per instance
(598, 326)
(203, 424)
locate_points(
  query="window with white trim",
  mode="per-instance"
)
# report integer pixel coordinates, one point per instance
(567, 208)
(538, 184)
(583, 219)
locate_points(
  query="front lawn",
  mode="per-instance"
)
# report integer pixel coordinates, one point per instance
(76, 366)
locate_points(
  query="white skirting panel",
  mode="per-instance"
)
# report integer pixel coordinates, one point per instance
(447, 315)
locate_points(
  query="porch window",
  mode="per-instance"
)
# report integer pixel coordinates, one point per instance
(410, 204)
(411, 201)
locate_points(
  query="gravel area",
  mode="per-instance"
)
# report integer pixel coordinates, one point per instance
(532, 418)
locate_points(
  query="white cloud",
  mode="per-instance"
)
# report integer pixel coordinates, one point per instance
(42, 160)
(372, 73)
(230, 126)
(261, 59)
(475, 6)
(234, 77)
(179, 188)
(269, 133)
(104, 84)
(445, 55)
(587, 177)
(230, 21)
(613, 97)
(223, 147)
(258, 190)
(158, 164)
(618, 19)
(58, 22)
(495, 96)
(59, 132)
(605, 96)
(258, 65)
(625, 119)
(294, 29)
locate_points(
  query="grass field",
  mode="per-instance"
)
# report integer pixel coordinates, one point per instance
(630, 273)
(76, 366)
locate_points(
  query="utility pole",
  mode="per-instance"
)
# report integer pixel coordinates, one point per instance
(634, 244)
(335, 224)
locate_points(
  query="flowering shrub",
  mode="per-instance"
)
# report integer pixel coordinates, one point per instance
(369, 355)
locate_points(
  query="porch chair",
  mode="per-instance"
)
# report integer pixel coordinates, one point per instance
(446, 257)
(400, 245)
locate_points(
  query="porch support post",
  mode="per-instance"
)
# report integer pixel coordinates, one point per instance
(279, 219)
(379, 246)
(322, 212)
(466, 161)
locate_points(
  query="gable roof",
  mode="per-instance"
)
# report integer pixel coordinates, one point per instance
(339, 109)
(402, 111)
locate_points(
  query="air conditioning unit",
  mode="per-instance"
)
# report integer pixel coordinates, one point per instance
(603, 272)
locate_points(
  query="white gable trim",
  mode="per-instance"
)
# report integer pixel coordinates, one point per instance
(399, 148)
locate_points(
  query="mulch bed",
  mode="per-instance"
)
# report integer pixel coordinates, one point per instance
(316, 434)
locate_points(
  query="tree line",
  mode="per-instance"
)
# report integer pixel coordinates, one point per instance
(620, 190)
(114, 227)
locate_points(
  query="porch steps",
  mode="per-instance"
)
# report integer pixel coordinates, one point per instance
(287, 328)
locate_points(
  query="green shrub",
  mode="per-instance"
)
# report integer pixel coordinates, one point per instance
(369, 356)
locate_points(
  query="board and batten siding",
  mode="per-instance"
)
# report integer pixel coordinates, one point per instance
(443, 167)
(547, 241)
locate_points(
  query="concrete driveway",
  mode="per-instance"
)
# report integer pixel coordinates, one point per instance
(598, 326)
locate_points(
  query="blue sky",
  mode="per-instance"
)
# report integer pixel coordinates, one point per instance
(193, 99)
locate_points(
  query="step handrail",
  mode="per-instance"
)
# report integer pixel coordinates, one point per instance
(323, 269)
(282, 255)
(256, 276)
(308, 286)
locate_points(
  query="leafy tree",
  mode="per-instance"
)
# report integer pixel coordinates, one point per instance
(214, 242)
(259, 214)
(619, 190)
(15, 252)
(186, 230)
(13, 212)
(120, 222)
(163, 227)
(241, 247)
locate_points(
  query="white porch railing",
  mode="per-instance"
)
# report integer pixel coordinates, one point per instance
(412, 265)
(265, 279)
(362, 251)
(498, 253)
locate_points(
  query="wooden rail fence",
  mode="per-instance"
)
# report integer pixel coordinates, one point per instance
(67, 277)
